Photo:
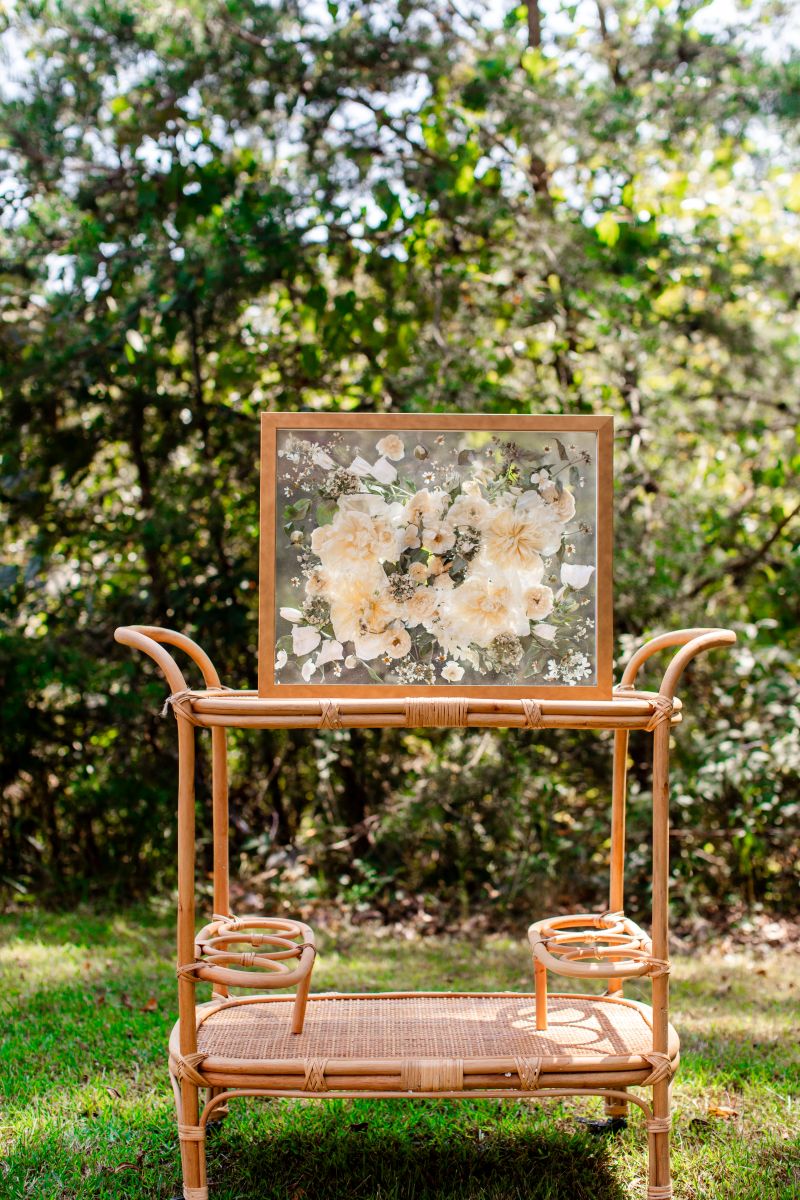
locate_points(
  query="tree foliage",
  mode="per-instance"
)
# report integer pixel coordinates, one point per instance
(221, 207)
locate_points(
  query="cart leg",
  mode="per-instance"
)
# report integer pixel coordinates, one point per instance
(659, 1173)
(540, 987)
(193, 1145)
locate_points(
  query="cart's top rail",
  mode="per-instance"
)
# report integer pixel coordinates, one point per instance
(218, 706)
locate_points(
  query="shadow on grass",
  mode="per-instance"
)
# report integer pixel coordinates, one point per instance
(399, 1151)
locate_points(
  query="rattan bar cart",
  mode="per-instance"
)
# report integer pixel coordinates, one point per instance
(432, 1044)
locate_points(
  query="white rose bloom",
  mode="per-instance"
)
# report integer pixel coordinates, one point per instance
(574, 576)
(452, 672)
(354, 539)
(399, 641)
(538, 601)
(438, 536)
(361, 604)
(426, 505)
(418, 571)
(305, 638)
(470, 510)
(392, 447)
(291, 614)
(421, 607)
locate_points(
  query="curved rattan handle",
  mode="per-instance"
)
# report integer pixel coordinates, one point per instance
(149, 639)
(691, 642)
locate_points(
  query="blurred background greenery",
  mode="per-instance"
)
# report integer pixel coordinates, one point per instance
(412, 205)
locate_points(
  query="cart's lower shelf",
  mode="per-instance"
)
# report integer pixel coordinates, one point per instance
(424, 1044)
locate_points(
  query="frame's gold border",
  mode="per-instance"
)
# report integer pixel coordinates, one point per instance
(271, 421)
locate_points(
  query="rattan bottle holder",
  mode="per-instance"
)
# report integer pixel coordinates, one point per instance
(510, 1045)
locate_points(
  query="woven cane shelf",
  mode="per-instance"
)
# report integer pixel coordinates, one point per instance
(423, 1044)
(416, 1045)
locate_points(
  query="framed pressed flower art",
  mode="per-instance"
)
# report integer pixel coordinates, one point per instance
(424, 554)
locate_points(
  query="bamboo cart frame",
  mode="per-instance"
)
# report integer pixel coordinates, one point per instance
(330, 1059)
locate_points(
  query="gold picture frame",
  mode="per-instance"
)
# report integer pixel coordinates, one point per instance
(435, 554)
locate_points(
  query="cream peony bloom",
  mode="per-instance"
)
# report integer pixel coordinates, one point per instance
(354, 539)
(517, 537)
(361, 604)
(479, 610)
(392, 447)
(538, 602)
(564, 507)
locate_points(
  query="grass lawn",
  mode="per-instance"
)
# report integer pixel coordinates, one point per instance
(88, 1002)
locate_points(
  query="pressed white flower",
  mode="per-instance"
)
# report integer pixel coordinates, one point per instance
(308, 668)
(305, 638)
(370, 645)
(330, 651)
(470, 510)
(452, 672)
(360, 466)
(538, 601)
(317, 582)
(421, 607)
(418, 571)
(351, 661)
(409, 538)
(291, 614)
(398, 641)
(438, 536)
(391, 446)
(548, 490)
(574, 576)
(564, 506)
(281, 659)
(546, 632)
(383, 471)
(443, 582)
(425, 505)
(435, 565)
(321, 459)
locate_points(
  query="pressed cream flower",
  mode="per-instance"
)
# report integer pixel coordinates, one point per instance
(564, 507)
(538, 601)
(398, 641)
(418, 571)
(452, 672)
(421, 607)
(516, 538)
(438, 537)
(479, 610)
(425, 505)
(392, 447)
(470, 510)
